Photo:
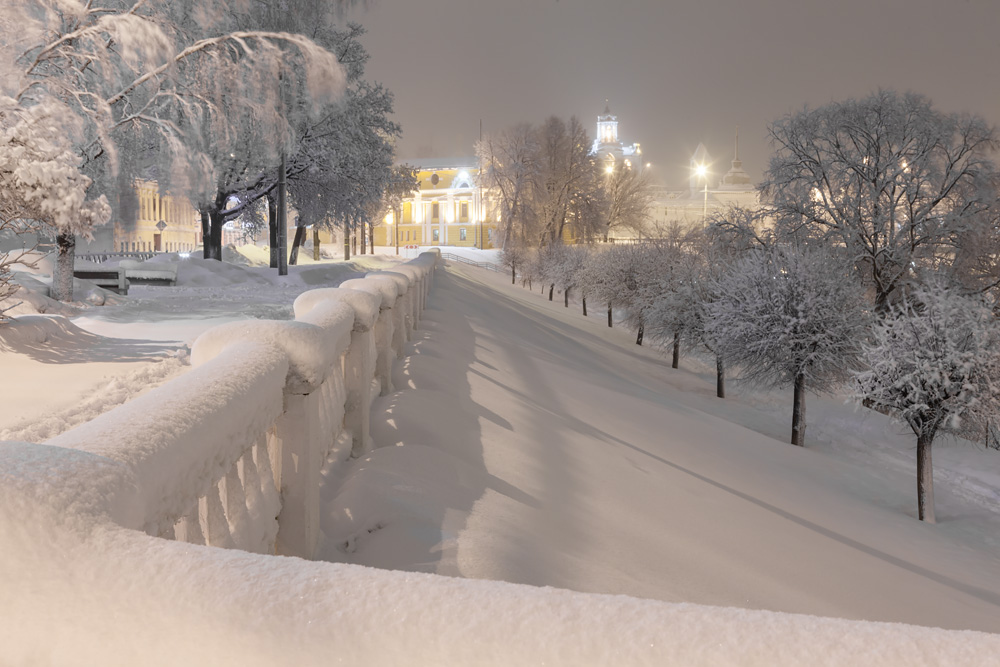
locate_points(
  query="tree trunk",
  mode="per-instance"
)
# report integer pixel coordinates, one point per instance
(925, 479)
(677, 350)
(316, 254)
(720, 377)
(216, 221)
(584, 306)
(364, 237)
(297, 242)
(62, 274)
(371, 239)
(272, 229)
(206, 233)
(609, 315)
(566, 297)
(347, 242)
(513, 275)
(282, 220)
(551, 288)
(799, 411)
(638, 337)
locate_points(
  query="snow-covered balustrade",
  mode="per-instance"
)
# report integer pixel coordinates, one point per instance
(230, 454)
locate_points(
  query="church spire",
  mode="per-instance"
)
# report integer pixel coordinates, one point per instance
(736, 178)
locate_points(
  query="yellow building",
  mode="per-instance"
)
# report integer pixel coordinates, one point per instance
(164, 223)
(446, 209)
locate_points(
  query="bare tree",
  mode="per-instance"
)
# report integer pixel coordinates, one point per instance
(509, 167)
(887, 177)
(628, 198)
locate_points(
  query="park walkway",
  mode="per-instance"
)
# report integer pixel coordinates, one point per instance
(576, 459)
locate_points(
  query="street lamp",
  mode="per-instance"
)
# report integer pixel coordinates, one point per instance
(702, 172)
(390, 219)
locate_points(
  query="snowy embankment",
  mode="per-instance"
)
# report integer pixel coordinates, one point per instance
(75, 362)
(83, 585)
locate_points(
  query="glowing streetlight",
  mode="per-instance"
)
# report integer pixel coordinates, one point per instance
(390, 218)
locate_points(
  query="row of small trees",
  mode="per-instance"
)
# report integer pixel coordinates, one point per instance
(871, 266)
(225, 102)
(784, 315)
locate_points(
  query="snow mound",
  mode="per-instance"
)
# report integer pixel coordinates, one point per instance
(102, 397)
(32, 298)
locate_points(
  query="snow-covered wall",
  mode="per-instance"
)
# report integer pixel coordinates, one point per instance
(214, 456)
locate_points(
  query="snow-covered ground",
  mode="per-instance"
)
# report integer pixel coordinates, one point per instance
(83, 361)
(541, 447)
(529, 444)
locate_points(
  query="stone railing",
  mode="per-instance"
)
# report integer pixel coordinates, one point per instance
(230, 453)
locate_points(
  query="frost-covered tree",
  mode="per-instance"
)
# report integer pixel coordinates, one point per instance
(562, 266)
(343, 167)
(167, 75)
(629, 278)
(681, 312)
(789, 316)
(888, 177)
(514, 256)
(41, 185)
(934, 363)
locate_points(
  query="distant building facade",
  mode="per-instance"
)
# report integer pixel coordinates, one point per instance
(164, 223)
(446, 209)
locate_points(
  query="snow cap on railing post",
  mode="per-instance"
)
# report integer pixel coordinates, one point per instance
(400, 311)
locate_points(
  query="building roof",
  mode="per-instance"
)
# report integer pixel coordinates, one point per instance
(442, 163)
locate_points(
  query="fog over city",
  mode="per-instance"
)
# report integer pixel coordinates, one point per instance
(675, 73)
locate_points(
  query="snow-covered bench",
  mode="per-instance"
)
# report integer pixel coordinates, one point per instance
(143, 273)
(113, 280)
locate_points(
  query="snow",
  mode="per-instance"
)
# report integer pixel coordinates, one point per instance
(524, 444)
(559, 453)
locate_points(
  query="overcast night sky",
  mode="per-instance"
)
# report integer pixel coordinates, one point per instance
(675, 72)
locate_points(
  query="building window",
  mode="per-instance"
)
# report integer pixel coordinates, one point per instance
(461, 234)
(436, 235)
(435, 211)
(464, 214)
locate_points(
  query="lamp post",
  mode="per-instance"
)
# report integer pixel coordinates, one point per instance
(702, 172)
(390, 220)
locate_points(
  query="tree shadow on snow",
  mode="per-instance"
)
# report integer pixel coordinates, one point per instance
(56, 340)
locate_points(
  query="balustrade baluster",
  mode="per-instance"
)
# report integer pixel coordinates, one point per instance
(188, 528)
(235, 503)
(214, 521)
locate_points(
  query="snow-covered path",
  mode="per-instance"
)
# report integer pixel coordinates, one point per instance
(543, 448)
